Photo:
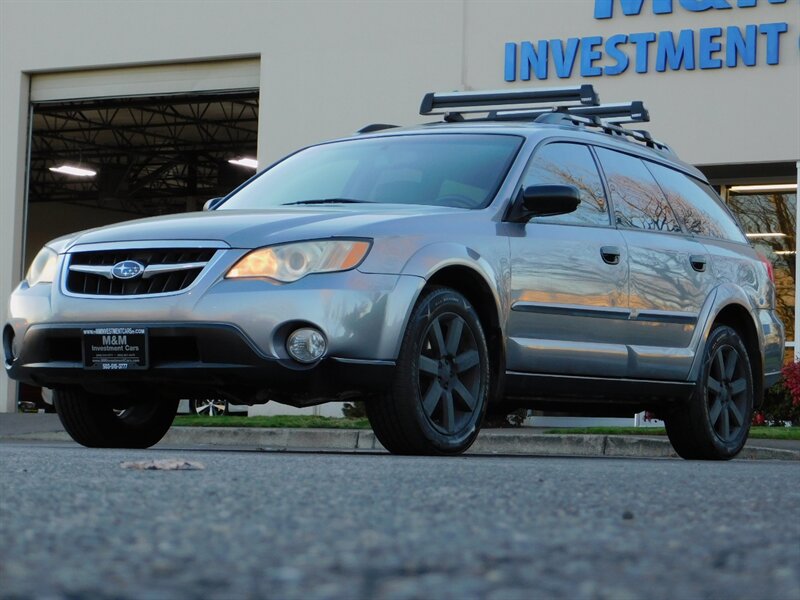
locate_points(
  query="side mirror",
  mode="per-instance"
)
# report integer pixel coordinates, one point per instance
(212, 203)
(545, 201)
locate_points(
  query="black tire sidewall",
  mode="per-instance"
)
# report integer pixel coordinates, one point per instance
(441, 301)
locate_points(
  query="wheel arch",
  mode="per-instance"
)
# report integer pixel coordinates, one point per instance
(738, 318)
(474, 285)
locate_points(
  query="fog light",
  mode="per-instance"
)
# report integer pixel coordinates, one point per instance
(306, 345)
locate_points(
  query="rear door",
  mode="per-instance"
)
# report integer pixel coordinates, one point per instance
(670, 274)
(569, 276)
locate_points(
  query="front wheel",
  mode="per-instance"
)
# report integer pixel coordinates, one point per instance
(100, 422)
(715, 423)
(439, 394)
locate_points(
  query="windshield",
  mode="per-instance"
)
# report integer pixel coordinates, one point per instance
(457, 170)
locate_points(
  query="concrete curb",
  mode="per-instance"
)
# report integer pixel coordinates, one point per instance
(489, 442)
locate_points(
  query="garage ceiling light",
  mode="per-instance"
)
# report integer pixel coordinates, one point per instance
(77, 171)
(773, 187)
(765, 235)
(250, 163)
(785, 251)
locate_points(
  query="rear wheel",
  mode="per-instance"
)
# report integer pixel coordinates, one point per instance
(99, 422)
(715, 423)
(439, 394)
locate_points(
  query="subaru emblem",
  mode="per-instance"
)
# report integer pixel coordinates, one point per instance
(127, 269)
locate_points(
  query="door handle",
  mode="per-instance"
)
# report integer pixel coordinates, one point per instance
(698, 262)
(610, 254)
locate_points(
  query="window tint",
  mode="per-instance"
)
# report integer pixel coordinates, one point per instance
(570, 164)
(697, 205)
(638, 201)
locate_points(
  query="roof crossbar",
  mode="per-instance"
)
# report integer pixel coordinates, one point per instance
(469, 102)
(627, 112)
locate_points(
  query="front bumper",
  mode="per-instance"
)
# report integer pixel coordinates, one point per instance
(195, 358)
(225, 335)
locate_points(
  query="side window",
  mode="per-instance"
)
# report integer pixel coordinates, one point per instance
(570, 164)
(638, 201)
(697, 205)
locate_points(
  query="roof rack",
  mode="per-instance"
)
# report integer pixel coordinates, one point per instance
(456, 103)
(627, 112)
(640, 135)
(577, 106)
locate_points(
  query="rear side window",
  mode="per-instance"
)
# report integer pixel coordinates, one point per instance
(638, 201)
(570, 164)
(697, 205)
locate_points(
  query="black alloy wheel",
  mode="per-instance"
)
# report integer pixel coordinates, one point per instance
(727, 393)
(449, 373)
(439, 394)
(715, 422)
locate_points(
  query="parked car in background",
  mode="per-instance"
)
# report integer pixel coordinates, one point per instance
(544, 257)
(210, 407)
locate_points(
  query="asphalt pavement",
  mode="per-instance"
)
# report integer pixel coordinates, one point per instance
(75, 524)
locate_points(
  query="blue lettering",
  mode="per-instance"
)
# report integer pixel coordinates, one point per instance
(751, 3)
(709, 46)
(564, 59)
(589, 55)
(642, 42)
(670, 53)
(511, 61)
(703, 5)
(604, 9)
(618, 55)
(773, 32)
(738, 45)
(536, 58)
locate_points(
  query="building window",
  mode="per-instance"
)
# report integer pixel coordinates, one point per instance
(769, 218)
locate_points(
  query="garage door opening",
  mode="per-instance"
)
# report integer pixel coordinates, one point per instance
(101, 161)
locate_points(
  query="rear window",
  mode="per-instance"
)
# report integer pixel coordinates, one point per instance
(456, 170)
(697, 205)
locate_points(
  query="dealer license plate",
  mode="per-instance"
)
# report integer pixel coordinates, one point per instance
(115, 348)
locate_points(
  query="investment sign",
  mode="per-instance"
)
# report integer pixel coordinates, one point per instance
(684, 50)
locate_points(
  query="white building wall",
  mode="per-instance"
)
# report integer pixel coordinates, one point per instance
(328, 67)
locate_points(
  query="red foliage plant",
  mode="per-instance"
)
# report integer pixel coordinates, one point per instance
(791, 379)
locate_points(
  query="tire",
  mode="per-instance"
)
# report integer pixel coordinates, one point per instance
(96, 422)
(438, 397)
(715, 423)
(208, 407)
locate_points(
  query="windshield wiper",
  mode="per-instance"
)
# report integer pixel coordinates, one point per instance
(330, 201)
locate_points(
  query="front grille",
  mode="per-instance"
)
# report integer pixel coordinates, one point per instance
(176, 277)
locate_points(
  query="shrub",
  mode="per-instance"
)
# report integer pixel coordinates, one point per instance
(782, 400)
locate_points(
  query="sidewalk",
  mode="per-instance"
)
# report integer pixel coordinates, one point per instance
(521, 441)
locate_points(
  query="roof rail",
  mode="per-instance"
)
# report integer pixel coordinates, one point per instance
(376, 127)
(640, 135)
(627, 112)
(448, 103)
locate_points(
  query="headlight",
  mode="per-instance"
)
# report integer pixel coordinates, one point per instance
(43, 267)
(290, 262)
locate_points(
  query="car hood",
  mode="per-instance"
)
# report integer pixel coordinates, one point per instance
(255, 228)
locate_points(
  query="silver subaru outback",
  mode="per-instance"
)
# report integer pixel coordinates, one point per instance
(524, 251)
